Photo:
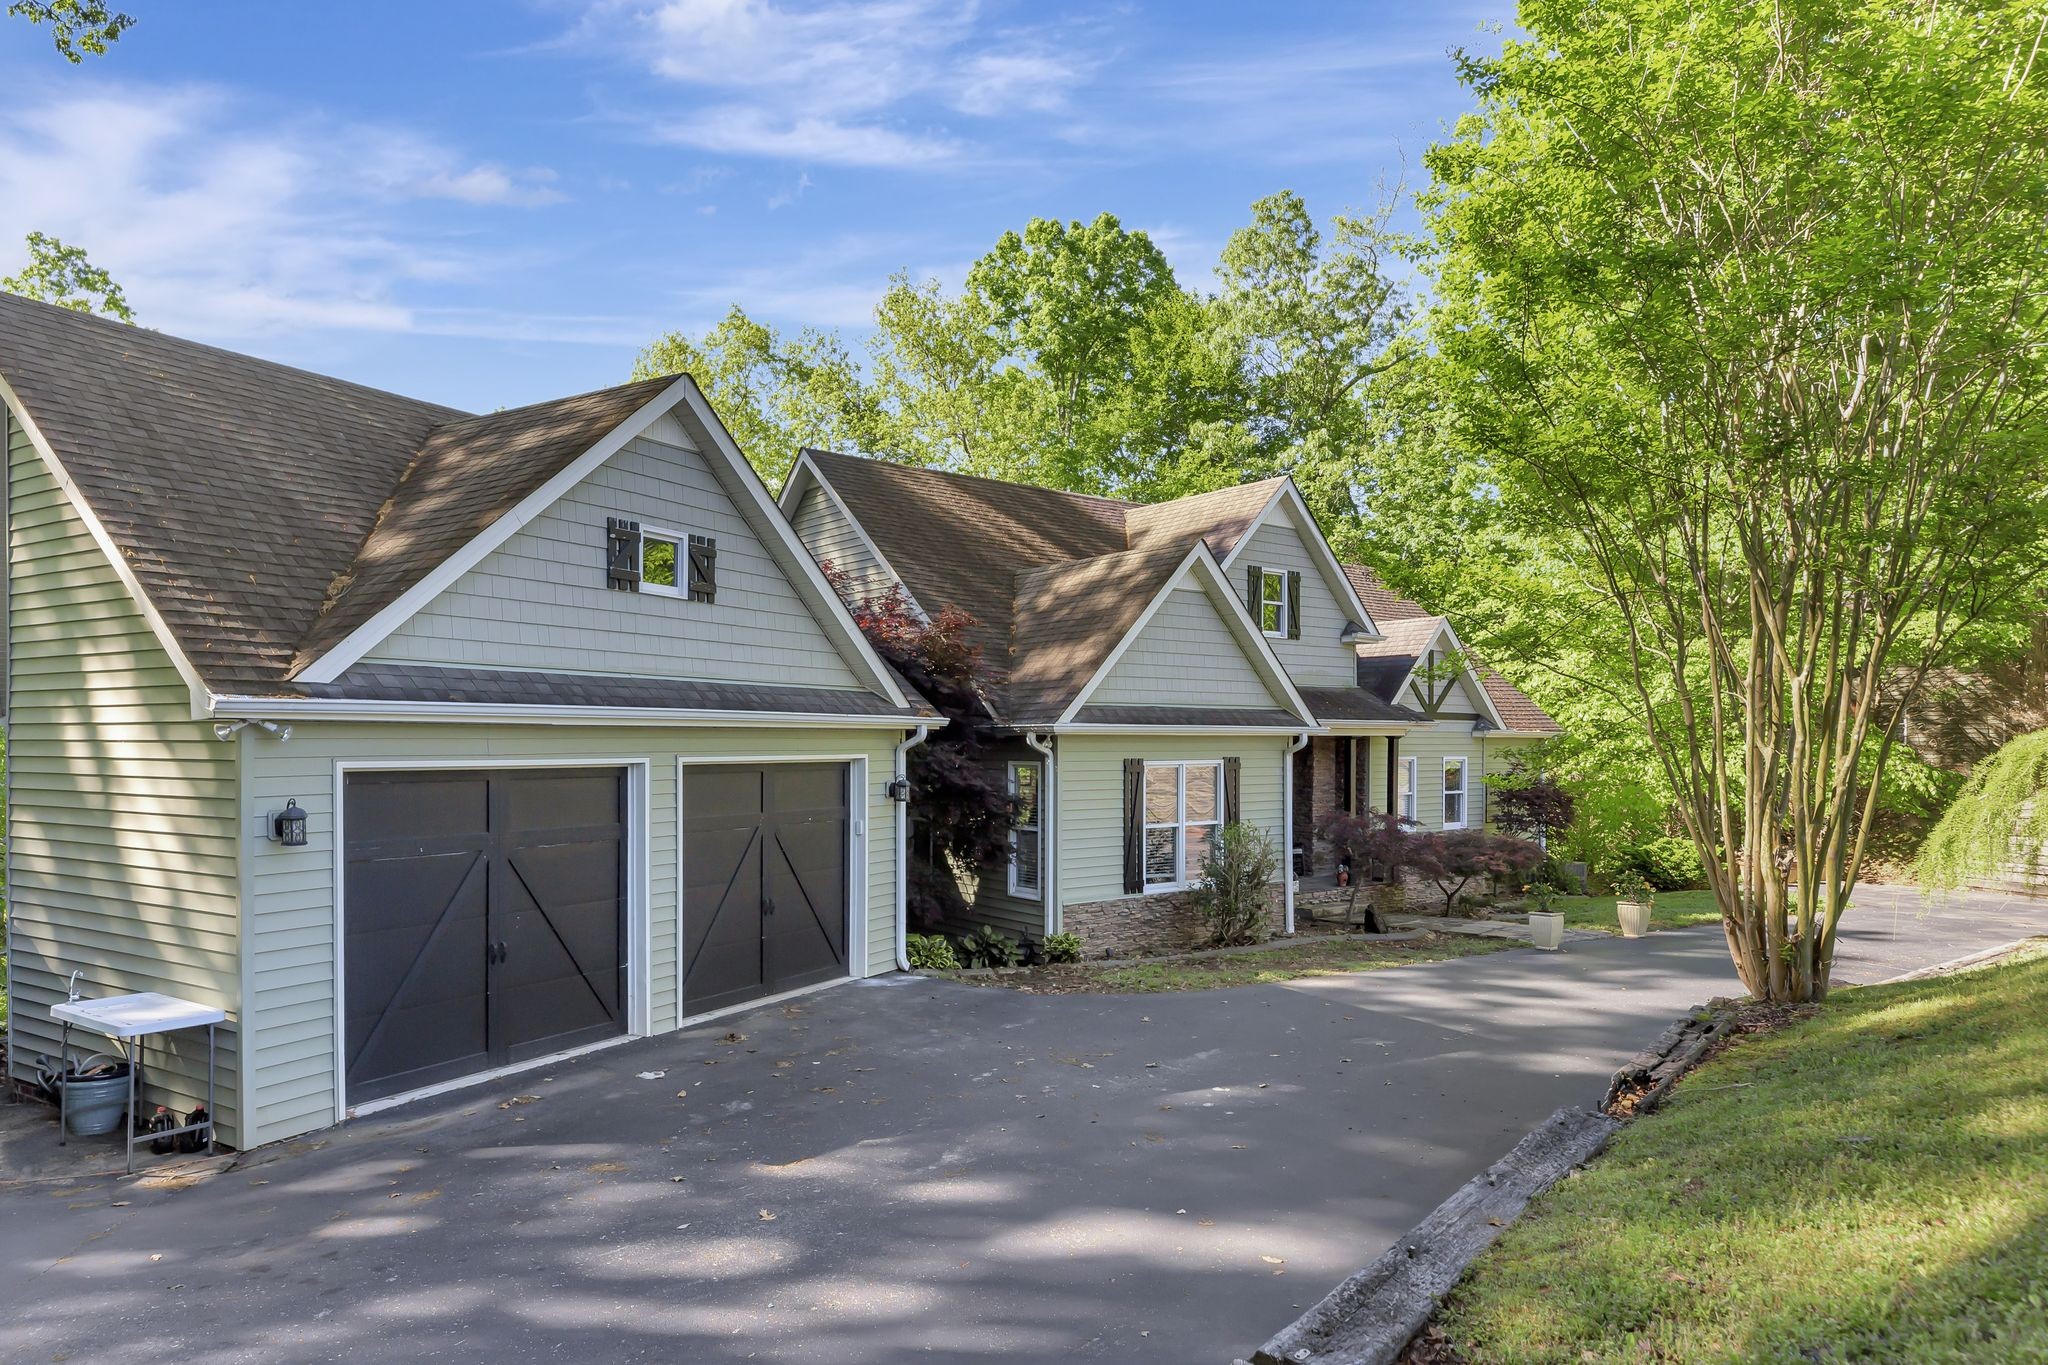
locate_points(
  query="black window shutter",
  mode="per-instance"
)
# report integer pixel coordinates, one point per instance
(1255, 580)
(622, 554)
(1231, 771)
(1293, 604)
(703, 569)
(1134, 826)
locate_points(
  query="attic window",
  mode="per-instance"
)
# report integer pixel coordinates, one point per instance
(659, 561)
(1273, 602)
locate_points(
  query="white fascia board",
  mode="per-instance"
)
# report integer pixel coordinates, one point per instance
(350, 708)
(373, 632)
(1082, 728)
(1305, 523)
(807, 474)
(831, 612)
(1200, 559)
(201, 694)
(1471, 676)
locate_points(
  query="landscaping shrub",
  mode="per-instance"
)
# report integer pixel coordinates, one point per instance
(1238, 868)
(1059, 948)
(1459, 855)
(1376, 845)
(1666, 864)
(930, 953)
(988, 946)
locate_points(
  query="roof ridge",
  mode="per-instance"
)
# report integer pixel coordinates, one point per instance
(954, 474)
(187, 343)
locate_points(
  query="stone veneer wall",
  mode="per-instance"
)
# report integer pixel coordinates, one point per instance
(1169, 923)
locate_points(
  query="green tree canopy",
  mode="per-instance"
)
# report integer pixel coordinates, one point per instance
(62, 275)
(1744, 304)
(76, 26)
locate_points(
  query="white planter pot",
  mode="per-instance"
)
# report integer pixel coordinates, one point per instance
(1635, 918)
(1546, 929)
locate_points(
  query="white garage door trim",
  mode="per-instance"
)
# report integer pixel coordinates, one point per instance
(856, 870)
(639, 884)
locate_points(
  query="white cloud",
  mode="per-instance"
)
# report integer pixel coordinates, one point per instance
(839, 83)
(220, 224)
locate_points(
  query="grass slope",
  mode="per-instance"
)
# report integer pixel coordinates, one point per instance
(1869, 1184)
(1670, 910)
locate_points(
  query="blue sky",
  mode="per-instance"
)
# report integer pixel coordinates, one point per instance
(491, 203)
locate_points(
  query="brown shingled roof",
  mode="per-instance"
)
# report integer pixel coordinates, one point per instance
(1409, 631)
(266, 511)
(1068, 618)
(467, 474)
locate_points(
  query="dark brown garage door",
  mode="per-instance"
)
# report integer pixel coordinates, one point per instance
(764, 880)
(484, 921)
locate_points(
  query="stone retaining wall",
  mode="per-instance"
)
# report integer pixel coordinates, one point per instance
(1133, 925)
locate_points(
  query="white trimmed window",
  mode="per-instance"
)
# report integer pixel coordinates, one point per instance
(661, 561)
(1273, 602)
(1454, 793)
(1183, 810)
(1027, 840)
(1404, 791)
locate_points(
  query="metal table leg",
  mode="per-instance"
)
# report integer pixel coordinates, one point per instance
(63, 1088)
(133, 1052)
(212, 1125)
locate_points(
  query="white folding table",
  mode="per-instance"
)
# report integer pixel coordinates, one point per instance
(129, 1019)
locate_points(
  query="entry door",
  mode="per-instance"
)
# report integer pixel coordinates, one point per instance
(484, 921)
(765, 880)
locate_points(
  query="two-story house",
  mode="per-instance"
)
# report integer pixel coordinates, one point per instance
(1162, 670)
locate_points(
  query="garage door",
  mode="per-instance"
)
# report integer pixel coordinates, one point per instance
(764, 880)
(483, 919)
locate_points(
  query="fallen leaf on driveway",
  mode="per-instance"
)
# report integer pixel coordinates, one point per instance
(519, 1099)
(766, 1216)
(652, 1075)
(682, 1094)
(606, 1168)
(1273, 1260)
(734, 1038)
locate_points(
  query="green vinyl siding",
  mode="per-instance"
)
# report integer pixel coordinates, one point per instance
(541, 601)
(122, 850)
(832, 539)
(987, 890)
(1090, 797)
(292, 890)
(1186, 655)
(1319, 657)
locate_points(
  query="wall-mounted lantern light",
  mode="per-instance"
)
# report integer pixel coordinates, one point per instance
(288, 826)
(899, 789)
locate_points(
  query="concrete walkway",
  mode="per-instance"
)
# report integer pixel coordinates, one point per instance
(1484, 928)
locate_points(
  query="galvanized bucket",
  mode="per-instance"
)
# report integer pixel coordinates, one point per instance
(93, 1104)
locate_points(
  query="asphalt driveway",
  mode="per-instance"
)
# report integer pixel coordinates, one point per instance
(884, 1170)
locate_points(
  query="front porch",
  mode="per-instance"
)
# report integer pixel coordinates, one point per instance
(1348, 772)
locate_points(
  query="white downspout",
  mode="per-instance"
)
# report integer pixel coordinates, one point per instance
(1048, 837)
(901, 774)
(1287, 820)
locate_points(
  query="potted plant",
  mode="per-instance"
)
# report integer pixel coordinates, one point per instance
(1634, 898)
(1546, 926)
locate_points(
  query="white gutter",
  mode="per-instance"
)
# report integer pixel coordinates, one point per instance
(1048, 834)
(1287, 819)
(339, 708)
(901, 774)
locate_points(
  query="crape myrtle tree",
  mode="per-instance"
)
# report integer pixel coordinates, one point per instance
(1746, 302)
(959, 803)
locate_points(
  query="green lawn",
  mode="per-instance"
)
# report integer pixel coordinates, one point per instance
(1868, 1184)
(1334, 956)
(1670, 910)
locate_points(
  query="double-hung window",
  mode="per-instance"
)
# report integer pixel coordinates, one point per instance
(1027, 846)
(1404, 793)
(1183, 810)
(1454, 793)
(1273, 602)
